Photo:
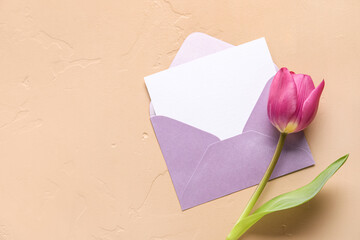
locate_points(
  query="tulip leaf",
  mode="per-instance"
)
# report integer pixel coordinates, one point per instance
(287, 200)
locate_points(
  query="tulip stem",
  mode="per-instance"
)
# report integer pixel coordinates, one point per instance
(265, 178)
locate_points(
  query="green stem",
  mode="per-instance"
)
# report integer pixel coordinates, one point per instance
(265, 178)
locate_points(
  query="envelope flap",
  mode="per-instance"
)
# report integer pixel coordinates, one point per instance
(198, 45)
(238, 163)
(182, 146)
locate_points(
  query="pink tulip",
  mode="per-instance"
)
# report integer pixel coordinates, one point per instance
(293, 101)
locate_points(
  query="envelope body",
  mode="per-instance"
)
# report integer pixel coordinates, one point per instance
(201, 166)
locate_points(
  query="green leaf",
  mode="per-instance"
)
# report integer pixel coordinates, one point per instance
(287, 200)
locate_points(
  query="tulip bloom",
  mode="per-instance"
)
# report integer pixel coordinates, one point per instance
(293, 101)
(292, 105)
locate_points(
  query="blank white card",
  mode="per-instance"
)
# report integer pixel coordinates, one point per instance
(215, 93)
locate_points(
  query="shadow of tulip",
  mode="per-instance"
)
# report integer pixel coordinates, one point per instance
(286, 223)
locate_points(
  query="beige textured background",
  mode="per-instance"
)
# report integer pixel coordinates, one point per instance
(78, 155)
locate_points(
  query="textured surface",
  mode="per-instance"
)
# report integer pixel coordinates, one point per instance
(79, 159)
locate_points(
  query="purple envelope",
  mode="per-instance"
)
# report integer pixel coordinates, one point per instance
(201, 166)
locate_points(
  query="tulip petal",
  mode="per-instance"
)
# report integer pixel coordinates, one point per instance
(310, 106)
(282, 102)
(304, 86)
